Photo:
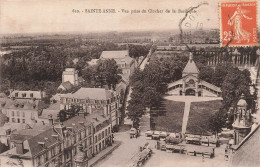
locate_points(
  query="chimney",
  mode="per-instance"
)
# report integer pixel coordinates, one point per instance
(50, 119)
(19, 147)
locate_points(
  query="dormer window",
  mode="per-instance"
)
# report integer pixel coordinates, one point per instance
(24, 95)
(31, 95)
(16, 94)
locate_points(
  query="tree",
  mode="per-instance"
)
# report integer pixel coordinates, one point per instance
(66, 114)
(206, 74)
(220, 74)
(235, 84)
(104, 73)
(217, 122)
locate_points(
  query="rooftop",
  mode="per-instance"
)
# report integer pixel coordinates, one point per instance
(27, 94)
(115, 54)
(22, 104)
(67, 85)
(191, 67)
(248, 151)
(92, 93)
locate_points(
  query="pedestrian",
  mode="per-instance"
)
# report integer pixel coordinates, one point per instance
(202, 157)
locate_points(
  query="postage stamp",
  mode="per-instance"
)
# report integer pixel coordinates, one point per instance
(238, 23)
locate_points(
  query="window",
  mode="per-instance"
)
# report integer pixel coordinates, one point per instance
(12, 113)
(16, 94)
(31, 95)
(17, 113)
(102, 134)
(39, 160)
(23, 114)
(89, 131)
(13, 120)
(106, 132)
(24, 95)
(18, 120)
(95, 139)
(46, 157)
(23, 120)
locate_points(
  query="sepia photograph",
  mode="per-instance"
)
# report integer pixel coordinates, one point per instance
(129, 83)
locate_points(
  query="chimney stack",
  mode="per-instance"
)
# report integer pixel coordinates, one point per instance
(50, 119)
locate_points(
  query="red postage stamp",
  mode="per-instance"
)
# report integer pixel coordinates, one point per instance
(238, 23)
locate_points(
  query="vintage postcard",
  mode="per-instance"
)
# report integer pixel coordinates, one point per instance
(129, 83)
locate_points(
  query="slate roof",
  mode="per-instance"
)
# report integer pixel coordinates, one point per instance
(21, 104)
(115, 54)
(53, 109)
(248, 151)
(92, 93)
(67, 85)
(36, 94)
(209, 85)
(45, 137)
(191, 67)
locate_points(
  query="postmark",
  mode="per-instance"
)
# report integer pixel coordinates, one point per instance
(238, 23)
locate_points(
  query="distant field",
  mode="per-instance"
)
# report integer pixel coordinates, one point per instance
(199, 116)
(168, 117)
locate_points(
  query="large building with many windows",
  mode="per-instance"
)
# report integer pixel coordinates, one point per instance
(57, 145)
(23, 110)
(93, 99)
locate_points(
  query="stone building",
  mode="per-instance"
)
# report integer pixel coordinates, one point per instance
(23, 110)
(191, 85)
(123, 60)
(242, 122)
(71, 75)
(57, 145)
(91, 99)
(18, 94)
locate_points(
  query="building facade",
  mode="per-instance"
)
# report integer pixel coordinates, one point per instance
(57, 146)
(71, 75)
(191, 85)
(23, 110)
(123, 60)
(38, 95)
(93, 99)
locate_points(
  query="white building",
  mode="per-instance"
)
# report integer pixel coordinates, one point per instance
(71, 75)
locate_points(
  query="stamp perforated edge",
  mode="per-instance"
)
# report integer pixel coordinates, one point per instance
(220, 22)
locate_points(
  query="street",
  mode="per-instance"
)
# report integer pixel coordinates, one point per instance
(123, 154)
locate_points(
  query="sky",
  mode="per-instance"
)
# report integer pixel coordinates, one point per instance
(54, 16)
